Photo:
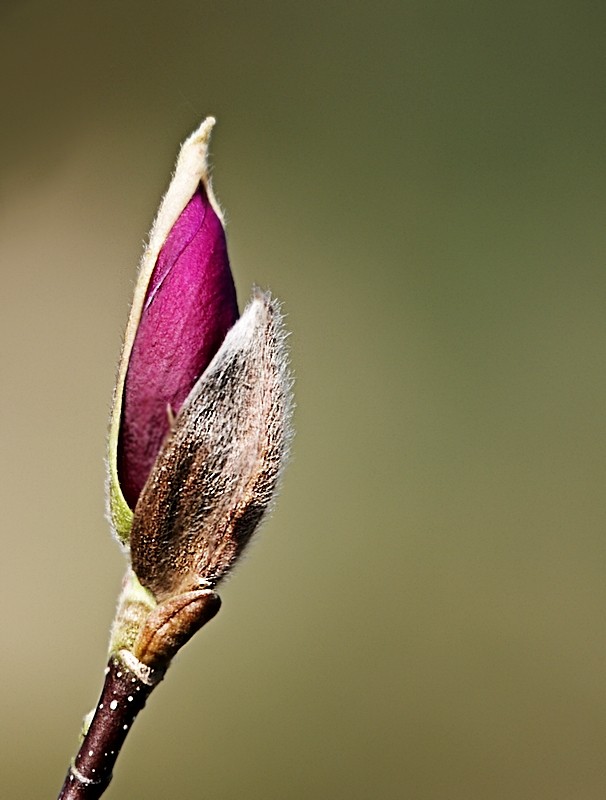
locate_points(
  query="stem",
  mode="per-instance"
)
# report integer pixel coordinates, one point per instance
(128, 684)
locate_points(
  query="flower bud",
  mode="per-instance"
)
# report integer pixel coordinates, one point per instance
(200, 429)
(184, 304)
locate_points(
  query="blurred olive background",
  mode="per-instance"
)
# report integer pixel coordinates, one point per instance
(423, 185)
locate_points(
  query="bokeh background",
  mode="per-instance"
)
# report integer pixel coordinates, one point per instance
(423, 184)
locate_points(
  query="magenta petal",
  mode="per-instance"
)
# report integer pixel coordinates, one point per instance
(189, 307)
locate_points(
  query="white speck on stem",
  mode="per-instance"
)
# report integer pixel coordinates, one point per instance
(113, 705)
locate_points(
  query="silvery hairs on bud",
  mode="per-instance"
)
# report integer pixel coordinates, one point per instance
(219, 467)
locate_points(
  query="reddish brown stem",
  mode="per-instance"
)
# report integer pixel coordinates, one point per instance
(127, 686)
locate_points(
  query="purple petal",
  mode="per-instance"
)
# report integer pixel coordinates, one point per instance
(189, 307)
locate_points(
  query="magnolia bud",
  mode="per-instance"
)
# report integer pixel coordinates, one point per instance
(184, 304)
(201, 424)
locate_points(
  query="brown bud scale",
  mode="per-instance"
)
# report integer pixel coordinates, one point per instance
(218, 470)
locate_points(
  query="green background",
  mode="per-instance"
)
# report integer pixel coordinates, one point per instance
(423, 186)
